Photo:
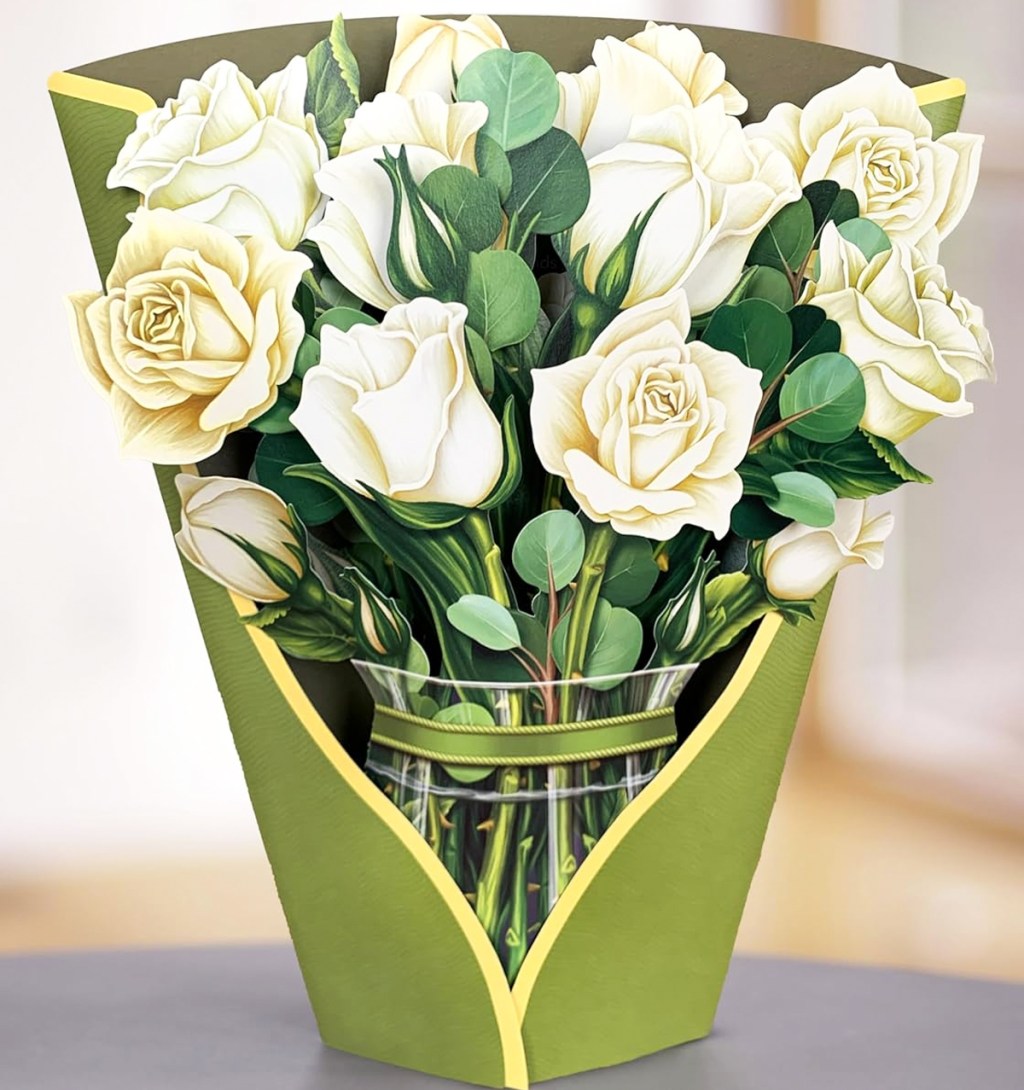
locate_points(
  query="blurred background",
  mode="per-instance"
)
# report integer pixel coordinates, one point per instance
(899, 833)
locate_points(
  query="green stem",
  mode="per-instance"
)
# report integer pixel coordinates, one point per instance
(478, 529)
(493, 870)
(589, 318)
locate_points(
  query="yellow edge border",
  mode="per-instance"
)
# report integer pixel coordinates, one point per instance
(510, 1005)
(939, 91)
(687, 753)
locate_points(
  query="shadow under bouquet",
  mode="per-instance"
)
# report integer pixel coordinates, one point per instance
(529, 392)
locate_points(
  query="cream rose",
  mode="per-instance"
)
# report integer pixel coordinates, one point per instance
(647, 430)
(395, 407)
(194, 334)
(217, 513)
(229, 153)
(430, 54)
(916, 342)
(714, 189)
(661, 66)
(869, 135)
(799, 561)
(354, 234)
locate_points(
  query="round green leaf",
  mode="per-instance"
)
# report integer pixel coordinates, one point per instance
(827, 391)
(467, 204)
(502, 296)
(277, 419)
(631, 572)
(771, 285)
(343, 318)
(803, 498)
(484, 620)
(754, 330)
(467, 713)
(519, 90)
(492, 163)
(553, 541)
(867, 236)
(550, 183)
(314, 503)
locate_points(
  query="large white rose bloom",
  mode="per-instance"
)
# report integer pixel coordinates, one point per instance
(917, 342)
(799, 561)
(647, 430)
(661, 66)
(192, 337)
(430, 52)
(869, 135)
(214, 510)
(353, 236)
(715, 189)
(230, 153)
(395, 407)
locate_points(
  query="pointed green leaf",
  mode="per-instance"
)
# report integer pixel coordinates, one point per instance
(512, 468)
(830, 203)
(332, 91)
(786, 240)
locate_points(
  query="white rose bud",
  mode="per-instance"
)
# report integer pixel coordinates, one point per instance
(647, 430)
(714, 190)
(229, 153)
(661, 66)
(429, 52)
(356, 229)
(395, 407)
(917, 343)
(869, 135)
(799, 561)
(218, 515)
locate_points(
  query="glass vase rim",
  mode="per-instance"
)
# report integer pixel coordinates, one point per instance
(533, 686)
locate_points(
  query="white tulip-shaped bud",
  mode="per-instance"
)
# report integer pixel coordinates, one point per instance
(799, 561)
(430, 54)
(241, 535)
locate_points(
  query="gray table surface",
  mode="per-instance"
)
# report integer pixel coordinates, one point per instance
(236, 1018)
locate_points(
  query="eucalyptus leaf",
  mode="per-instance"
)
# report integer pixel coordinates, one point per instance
(502, 295)
(754, 330)
(276, 453)
(552, 542)
(485, 621)
(803, 498)
(769, 284)
(813, 333)
(481, 361)
(614, 644)
(492, 163)
(277, 419)
(866, 235)
(830, 203)
(786, 240)
(468, 205)
(308, 355)
(519, 90)
(826, 395)
(550, 183)
(631, 572)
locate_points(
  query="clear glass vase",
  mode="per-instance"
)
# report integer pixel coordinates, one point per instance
(512, 785)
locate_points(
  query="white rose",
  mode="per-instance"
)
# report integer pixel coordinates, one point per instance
(715, 189)
(430, 52)
(353, 236)
(799, 561)
(395, 407)
(219, 512)
(193, 336)
(869, 135)
(916, 342)
(229, 153)
(647, 430)
(661, 66)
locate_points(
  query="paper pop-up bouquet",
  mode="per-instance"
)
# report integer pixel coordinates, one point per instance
(552, 401)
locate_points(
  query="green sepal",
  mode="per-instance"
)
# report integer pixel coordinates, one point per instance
(512, 466)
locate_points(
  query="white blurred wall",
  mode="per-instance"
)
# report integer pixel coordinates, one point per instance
(113, 742)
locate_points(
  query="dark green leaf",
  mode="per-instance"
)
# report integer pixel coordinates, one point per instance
(866, 235)
(752, 521)
(786, 240)
(492, 163)
(754, 330)
(276, 453)
(419, 516)
(468, 205)
(553, 541)
(803, 498)
(757, 480)
(830, 203)
(814, 333)
(827, 394)
(631, 572)
(502, 295)
(550, 183)
(485, 621)
(519, 90)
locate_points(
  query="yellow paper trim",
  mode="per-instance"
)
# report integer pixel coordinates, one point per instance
(548, 935)
(939, 91)
(100, 92)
